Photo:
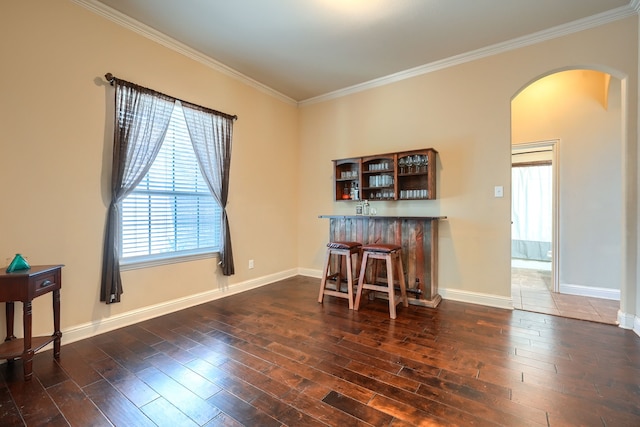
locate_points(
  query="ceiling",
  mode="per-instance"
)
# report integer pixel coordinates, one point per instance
(305, 49)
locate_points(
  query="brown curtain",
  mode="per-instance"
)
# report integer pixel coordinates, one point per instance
(211, 135)
(141, 121)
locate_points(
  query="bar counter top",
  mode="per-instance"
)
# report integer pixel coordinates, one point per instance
(384, 217)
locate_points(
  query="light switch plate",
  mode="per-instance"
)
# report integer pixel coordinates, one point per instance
(498, 191)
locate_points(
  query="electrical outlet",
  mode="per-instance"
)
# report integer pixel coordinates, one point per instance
(250, 263)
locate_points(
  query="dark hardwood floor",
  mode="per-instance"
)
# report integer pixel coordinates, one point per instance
(274, 356)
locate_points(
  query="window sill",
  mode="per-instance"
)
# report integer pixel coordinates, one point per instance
(155, 262)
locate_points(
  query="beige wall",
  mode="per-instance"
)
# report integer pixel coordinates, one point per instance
(581, 108)
(55, 158)
(464, 113)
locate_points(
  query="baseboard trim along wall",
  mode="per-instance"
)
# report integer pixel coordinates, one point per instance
(450, 294)
(629, 321)
(316, 274)
(588, 291)
(490, 300)
(101, 326)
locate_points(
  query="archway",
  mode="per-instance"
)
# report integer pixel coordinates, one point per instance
(583, 110)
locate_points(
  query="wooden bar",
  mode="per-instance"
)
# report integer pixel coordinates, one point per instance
(418, 236)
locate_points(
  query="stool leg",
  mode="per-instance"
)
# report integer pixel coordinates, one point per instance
(340, 274)
(349, 280)
(323, 282)
(375, 274)
(403, 285)
(392, 292)
(363, 270)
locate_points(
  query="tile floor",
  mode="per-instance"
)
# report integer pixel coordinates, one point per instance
(531, 291)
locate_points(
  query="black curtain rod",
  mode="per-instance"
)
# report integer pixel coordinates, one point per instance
(112, 79)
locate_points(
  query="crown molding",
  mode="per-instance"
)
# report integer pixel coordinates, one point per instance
(166, 41)
(633, 8)
(562, 30)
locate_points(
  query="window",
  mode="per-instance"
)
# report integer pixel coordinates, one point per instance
(171, 212)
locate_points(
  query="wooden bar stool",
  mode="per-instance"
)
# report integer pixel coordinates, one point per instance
(346, 250)
(391, 254)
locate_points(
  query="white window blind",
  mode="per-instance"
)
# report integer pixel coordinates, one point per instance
(171, 213)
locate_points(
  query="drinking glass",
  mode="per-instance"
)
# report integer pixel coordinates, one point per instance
(417, 161)
(409, 163)
(423, 162)
(401, 163)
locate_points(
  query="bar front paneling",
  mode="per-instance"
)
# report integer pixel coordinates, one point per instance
(418, 237)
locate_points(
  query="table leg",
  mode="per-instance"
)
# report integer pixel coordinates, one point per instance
(9, 315)
(27, 356)
(9, 312)
(56, 324)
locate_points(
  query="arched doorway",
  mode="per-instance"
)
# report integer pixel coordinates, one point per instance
(582, 109)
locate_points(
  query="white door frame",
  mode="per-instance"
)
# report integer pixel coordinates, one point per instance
(555, 202)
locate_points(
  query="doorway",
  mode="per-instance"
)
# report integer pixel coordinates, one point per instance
(534, 225)
(582, 108)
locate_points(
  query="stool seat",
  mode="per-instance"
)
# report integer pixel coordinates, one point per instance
(391, 254)
(381, 247)
(344, 245)
(345, 251)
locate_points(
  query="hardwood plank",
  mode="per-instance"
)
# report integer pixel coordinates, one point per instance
(49, 372)
(126, 382)
(125, 357)
(177, 353)
(223, 420)
(184, 399)
(88, 349)
(238, 387)
(242, 411)
(77, 367)
(395, 380)
(75, 406)
(117, 408)
(322, 411)
(164, 414)
(35, 404)
(487, 407)
(257, 379)
(9, 412)
(184, 376)
(405, 414)
(357, 409)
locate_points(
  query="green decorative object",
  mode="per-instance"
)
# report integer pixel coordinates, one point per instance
(18, 263)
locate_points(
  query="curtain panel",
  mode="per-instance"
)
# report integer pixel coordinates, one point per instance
(141, 121)
(211, 138)
(531, 212)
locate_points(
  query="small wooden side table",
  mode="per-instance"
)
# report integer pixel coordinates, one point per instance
(24, 286)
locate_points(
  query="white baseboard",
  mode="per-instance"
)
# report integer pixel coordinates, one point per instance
(629, 321)
(310, 272)
(625, 320)
(477, 298)
(101, 326)
(451, 294)
(589, 291)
